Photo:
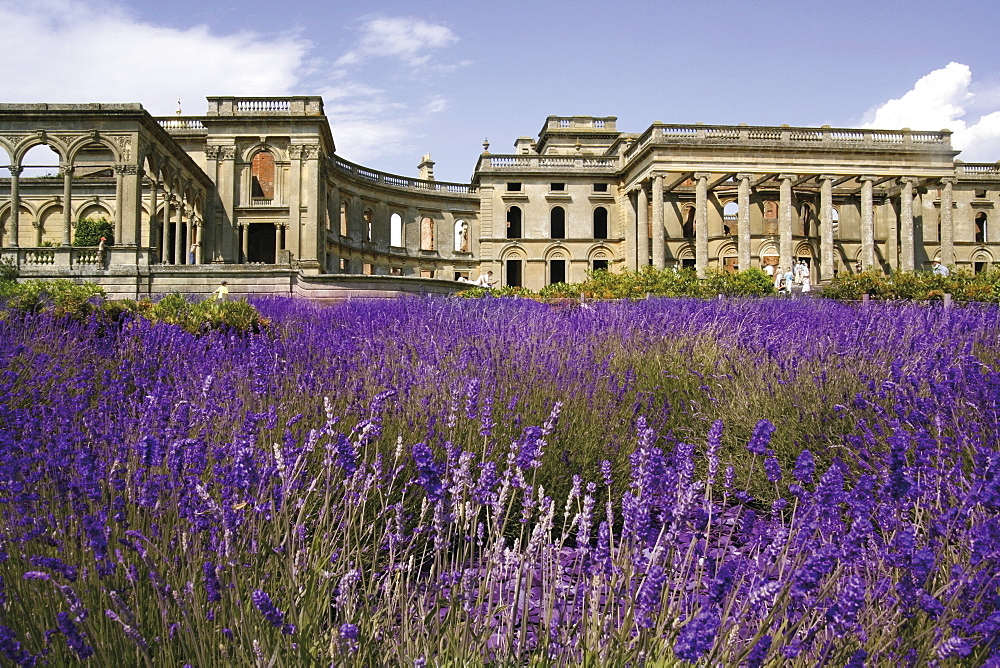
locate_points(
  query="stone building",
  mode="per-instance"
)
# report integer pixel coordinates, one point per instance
(255, 192)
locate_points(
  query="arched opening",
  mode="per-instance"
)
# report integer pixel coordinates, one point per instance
(426, 233)
(599, 262)
(40, 161)
(835, 222)
(600, 223)
(262, 178)
(687, 222)
(343, 219)
(806, 220)
(770, 217)
(980, 237)
(981, 262)
(396, 230)
(557, 269)
(557, 223)
(730, 218)
(514, 223)
(369, 218)
(461, 236)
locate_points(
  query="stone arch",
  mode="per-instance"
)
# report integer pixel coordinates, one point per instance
(263, 174)
(688, 224)
(982, 260)
(90, 140)
(728, 255)
(805, 249)
(94, 208)
(41, 139)
(767, 254)
(42, 157)
(6, 152)
(807, 219)
(26, 220)
(556, 251)
(49, 223)
(686, 255)
(512, 259)
(599, 257)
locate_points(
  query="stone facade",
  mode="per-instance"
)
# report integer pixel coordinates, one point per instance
(255, 189)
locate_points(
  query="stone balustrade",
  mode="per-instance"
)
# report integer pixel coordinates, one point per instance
(396, 181)
(662, 133)
(548, 162)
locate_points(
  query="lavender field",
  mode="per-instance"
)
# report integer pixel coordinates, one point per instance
(434, 482)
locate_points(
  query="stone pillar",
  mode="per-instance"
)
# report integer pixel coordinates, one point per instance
(785, 222)
(168, 199)
(279, 232)
(131, 211)
(154, 228)
(906, 258)
(227, 188)
(179, 249)
(947, 240)
(867, 224)
(643, 241)
(826, 220)
(295, 154)
(244, 242)
(743, 202)
(119, 186)
(199, 252)
(630, 233)
(659, 249)
(701, 223)
(67, 203)
(15, 205)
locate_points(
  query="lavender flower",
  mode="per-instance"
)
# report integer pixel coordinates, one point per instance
(213, 587)
(74, 639)
(697, 636)
(761, 437)
(805, 467)
(271, 612)
(759, 652)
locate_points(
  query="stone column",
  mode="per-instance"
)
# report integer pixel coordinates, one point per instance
(826, 235)
(701, 223)
(785, 222)
(294, 199)
(867, 224)
(743, 202)
(642, 240)
(199, 252)
(947, 240)
(168, 199)
(279, 231)
(132, 205)
(119, 186)
(153, 223)
(245, 242)
(179, 249)
(15, 205)
(659, 249)
(67, 174)
(906, 258)
(630, 233)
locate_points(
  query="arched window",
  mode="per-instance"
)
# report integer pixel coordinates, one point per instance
(600, 223)
(461, 236)
(806, 220)
(980, 228)
(835, 218)
(687, 222)
(730, 218)
(369, 218)
(514, 223)
(396, 230)
(557, 269)
(426, 233)
(557, 223)
(343, 219)
(262, 177)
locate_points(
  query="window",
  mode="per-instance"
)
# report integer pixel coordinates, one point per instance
(426, 234)
(368, 216)
(513, 273)
(514, 223)
(557, 219)
(557, 271)
(343, 219)
(600, 223)
(396, 230)
(262, 176)
(688, 223)
(600, 264)
(600, 187)
(980, 194)
(558, 187)
(980, 227)
(461, 236)
(366, 269)
(513, 187)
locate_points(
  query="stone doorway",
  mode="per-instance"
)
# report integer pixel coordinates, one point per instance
(260, 243)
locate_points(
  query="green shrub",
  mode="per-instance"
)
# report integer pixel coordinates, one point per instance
(8, 270)
(920, 286)
(90, 230)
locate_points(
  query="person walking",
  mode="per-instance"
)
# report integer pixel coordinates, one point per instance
(221, 293)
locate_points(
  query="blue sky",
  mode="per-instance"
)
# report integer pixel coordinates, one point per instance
(401, 79)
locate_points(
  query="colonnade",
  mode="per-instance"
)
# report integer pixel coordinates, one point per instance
(746, 182)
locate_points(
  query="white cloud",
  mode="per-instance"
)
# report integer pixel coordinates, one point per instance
(406, 39)
(96, 51)
(938, 101)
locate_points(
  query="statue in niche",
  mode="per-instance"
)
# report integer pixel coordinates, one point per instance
(462, 238)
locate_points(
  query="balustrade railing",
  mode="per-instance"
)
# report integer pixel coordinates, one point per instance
(560, 162)
(397, 181)
(181, 123)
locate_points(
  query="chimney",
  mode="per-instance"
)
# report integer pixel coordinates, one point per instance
(426, 168)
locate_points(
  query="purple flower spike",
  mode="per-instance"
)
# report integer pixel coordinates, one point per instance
(697, 636)
(270, 611)
(761, 437)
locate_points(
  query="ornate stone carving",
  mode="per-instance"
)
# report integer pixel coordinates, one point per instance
(132, 170)
(227, 152)
(295, 151)
(311, 150)
(121, 169)
(15, 170)
(212, 152)
(124, 143)
(13, 140)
